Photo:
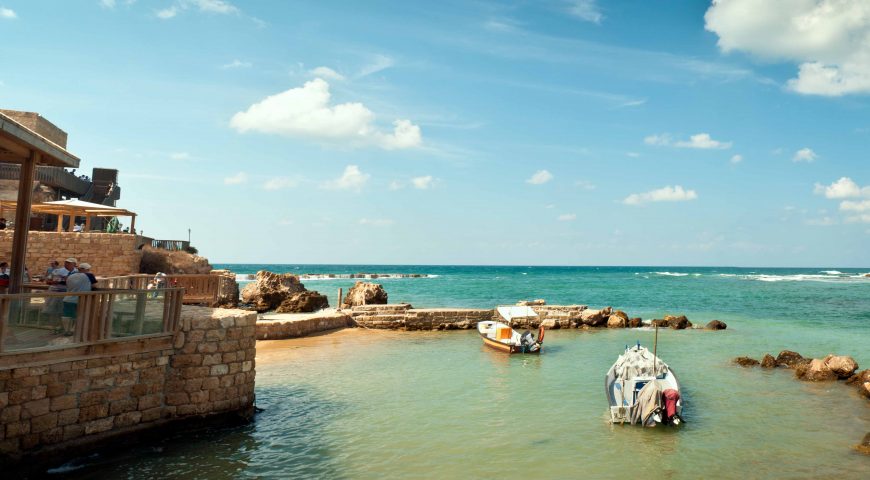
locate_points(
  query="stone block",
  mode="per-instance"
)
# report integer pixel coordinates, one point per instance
(127, 419)
(50, 436)
(35, 408)
(92, 412)
(11, 413)
(193, 385)
(93, 398)
(211, 359)
(17, 429)
(43, 422)
(97, 426)
(119, 393)
(190, 360)
(152, 414)
(149, 401)
(55, 389)
(179, 398)
(68, 417)
(63, 402)
(222, 369)
(122, 406)
(199, 397)
(207, 347)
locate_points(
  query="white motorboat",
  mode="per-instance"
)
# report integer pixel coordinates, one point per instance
(501, 336)
(643, 390)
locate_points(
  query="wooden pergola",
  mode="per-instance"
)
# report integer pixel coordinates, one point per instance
(72, 209)
(21, 145)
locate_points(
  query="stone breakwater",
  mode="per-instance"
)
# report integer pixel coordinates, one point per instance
(405, 317)
(80, 395)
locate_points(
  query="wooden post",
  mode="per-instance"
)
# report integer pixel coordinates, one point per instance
(22, 221)
(133, 224)
(655, 351)
(87, 223)
(338, 305)
(59, 222)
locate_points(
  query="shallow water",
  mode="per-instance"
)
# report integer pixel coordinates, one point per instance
(377, 404)
(372, 404)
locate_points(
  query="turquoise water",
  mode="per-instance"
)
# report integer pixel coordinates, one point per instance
(377, 404)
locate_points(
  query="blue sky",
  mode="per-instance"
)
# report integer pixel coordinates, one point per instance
(552, 132)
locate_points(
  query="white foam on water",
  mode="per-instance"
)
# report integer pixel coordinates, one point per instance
(671, 274)
(831, 272)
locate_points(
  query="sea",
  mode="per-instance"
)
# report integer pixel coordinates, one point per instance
(369, 404)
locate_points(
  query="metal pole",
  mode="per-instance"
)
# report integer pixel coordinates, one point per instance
(655, 349)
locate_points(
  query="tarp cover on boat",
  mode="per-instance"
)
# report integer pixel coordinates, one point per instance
(637, 362)
(509, 313)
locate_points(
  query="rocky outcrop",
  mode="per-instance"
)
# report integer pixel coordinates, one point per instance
(843, 366)
(861, 381)
(789, 359)
(615, 321)
(303, 302)
(745, 361)
(595, 318)
(635, 322)
(658, 322)
(364, 293)
(768, 361)
(269, 290)
(716, 325)
(864, 446)
(532, 303)
(815, 371)
(155, 260)
(678, 322)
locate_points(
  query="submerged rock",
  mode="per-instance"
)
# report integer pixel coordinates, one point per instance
(303, 302)
(768, 361)
(815, 371)
(635, 322)
(364, 293)
(789, 359)
(861, 381)
(745, 361)
(269, 290)
(843, 366)
(864, 446)
(716, 325)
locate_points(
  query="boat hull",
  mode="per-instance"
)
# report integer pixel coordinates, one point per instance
(503, 347)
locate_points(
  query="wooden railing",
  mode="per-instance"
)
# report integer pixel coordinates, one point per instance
(52, 176)
(199, 289)
(43, 320)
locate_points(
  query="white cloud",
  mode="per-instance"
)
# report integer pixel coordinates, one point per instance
(703, 141)
(396, 185)
(236, 64)
(664, 194)
(380, 62)
(422, 183)
(236, 179)
(351, 179)
(700, 140)
(804, 155)
(279, 183)
(179, 156)
(167, 13)
(306, 112)
(584, 184)
(567, 217)
(326, 72)
(830, 39)
(8, 13)
(845, 187)
(540, 177)
(736, 158)
(376, 222)
(821, 222)
(632, 154)
(107, 3)
(586, 10)
(863, 218)
(855, 206)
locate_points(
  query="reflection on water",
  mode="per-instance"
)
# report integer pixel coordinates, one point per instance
(374, 404)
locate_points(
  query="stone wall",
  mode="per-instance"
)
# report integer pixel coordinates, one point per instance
(71, 397)
(294, 325)
(109, 254)
(403, 317)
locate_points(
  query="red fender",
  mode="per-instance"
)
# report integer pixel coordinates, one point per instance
(541, 334)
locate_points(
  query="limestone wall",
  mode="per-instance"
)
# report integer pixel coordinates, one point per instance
(293, 325)
(402, 316)
(116, 387)
(110, 254)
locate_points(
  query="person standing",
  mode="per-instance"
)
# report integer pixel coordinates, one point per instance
(57, 283)
(75, 283)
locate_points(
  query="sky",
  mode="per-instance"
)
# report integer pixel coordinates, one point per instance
(556, 132)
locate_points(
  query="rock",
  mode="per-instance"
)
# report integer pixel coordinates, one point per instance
(864, 446)
(616, 321)
(635, 322)
(303, 302)
(594, 318)
(859, 378)
(789, 359)
(843, 366)
(269, 290)
(768, 361)
(716, 325)
(658, 322)
(551, 324)
(156, 260)
(364, 293)
(620, 313)
(815, 371)
(532, 303)
(678, 322)
(745, 361)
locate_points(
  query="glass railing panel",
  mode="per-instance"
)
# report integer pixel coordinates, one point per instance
(138, 313)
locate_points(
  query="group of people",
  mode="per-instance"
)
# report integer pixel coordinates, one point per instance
(72, 277)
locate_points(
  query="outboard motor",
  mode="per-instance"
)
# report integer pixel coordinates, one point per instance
(527, 338)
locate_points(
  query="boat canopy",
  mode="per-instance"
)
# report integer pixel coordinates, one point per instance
(637, 361)
(509, 313)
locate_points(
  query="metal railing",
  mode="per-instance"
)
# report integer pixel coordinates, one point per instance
(46, 320)
(199, 289)
(53, 176)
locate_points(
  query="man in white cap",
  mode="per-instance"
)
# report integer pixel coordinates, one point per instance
(77, 281)
(57, 283)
